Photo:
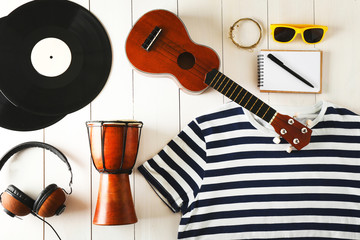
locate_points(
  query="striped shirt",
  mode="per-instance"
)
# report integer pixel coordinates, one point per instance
(230, 181)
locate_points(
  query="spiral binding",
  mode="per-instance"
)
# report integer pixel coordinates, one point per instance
(260, 64)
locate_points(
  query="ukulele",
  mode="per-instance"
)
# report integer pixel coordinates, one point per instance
(159, 43)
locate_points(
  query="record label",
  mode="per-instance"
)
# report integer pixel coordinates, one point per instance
(51, 57)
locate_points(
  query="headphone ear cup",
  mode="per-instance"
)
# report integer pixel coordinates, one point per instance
(50, 202)
(15, 202)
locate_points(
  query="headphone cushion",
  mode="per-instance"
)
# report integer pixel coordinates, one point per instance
(47, 206)
(20, 196)
(15, 202)
(43, 196)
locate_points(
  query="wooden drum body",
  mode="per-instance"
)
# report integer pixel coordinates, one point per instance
(114, 146)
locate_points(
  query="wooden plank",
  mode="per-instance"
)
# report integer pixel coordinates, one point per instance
(69, 136)
(291, 12)
(116, 99)
(115, 102)
(24, 170)
(156, 102)
(341, 72)
(204, 28)
(241, 64)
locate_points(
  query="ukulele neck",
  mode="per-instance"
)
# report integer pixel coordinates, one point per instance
(240, 95)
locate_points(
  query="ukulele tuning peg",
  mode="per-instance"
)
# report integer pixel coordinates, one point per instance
(277, 140)
(289, 149)
(309, 123)
(296, 115)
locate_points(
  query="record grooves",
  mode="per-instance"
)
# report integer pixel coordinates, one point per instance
(14, 118)
(34, 96)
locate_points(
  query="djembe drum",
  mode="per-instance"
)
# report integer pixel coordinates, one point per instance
(114, 146)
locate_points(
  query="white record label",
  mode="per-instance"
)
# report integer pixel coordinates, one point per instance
(51, 57)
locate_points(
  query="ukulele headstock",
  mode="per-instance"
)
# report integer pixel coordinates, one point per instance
(295, 133)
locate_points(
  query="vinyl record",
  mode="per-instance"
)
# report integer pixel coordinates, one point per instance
(14, 118)
(55, 57)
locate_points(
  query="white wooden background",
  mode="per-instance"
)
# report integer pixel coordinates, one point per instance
(164, 109)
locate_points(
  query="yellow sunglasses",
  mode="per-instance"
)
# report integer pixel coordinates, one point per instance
(311, 34)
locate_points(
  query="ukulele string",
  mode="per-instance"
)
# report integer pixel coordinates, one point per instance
(194, 70)
(180, 50)
(199, 64)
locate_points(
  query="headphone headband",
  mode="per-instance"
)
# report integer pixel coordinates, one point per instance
(32, 144)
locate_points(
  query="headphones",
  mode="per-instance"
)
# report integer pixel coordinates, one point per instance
(50, 201)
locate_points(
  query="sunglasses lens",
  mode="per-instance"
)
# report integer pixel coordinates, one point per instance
(313, 35)
(283, 34)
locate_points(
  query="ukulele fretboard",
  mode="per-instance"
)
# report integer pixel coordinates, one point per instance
(240, 95)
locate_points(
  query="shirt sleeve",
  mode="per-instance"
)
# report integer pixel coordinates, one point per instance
(176, 172)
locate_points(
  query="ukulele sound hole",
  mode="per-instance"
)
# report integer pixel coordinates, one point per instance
(186, 60)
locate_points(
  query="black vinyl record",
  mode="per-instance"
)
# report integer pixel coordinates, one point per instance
(88, 68)
(14, 118)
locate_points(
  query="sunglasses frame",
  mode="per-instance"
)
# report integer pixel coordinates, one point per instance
(299, 29)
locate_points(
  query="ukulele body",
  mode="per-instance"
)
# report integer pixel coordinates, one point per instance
(171, 51)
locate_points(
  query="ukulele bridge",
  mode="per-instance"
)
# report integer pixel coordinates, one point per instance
(149, 41)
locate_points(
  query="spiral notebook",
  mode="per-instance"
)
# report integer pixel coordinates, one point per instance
(274, 78)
